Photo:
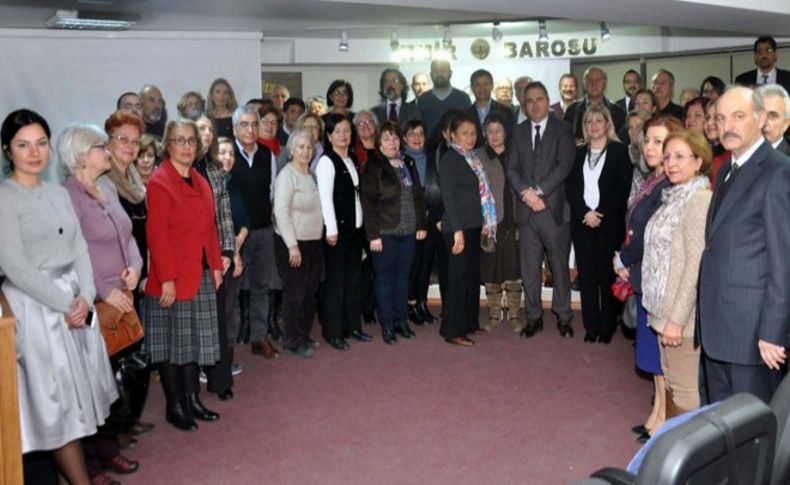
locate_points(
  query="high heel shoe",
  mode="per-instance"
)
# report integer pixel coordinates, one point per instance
(177, 415)
(200, 411)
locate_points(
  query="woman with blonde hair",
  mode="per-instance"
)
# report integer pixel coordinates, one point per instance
(220, 104)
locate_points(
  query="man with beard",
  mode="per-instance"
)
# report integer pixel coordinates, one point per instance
(443, 97)
(568, 91)
(482, 83)
(130, 103)
(154, 112)
(393, 90)
(632, 81)
(419, 84)
(766, 73)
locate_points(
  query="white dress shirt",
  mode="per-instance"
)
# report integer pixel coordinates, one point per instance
(592, 194)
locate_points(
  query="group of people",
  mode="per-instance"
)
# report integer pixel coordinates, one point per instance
(210, 225)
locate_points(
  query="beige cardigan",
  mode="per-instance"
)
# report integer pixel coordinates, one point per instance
(688, 242)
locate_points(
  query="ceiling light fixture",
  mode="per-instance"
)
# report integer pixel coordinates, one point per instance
(605, 34)
(74, 20)
(496, 34)
(343, 47)
(542, 35)
(447, 40)
(394, 44)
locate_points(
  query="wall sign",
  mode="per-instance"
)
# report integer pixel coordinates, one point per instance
(481, 49)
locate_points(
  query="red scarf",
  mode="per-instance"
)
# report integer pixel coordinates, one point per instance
(273, 145)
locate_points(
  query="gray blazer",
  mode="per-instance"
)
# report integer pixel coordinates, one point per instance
(407, 113)
(547, 169)
(744, 284)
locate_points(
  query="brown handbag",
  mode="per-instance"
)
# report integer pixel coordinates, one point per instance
(120, 330)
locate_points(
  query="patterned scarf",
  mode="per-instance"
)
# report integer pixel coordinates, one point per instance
(130, 186)
(403, 173)
(486, 195)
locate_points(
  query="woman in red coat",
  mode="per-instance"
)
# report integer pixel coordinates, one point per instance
(179, 308)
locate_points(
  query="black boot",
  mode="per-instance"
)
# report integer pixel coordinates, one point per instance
(424, 312)
(274, 328)
(176, 411)
(200, 411)
(244, 309)
(415, 316)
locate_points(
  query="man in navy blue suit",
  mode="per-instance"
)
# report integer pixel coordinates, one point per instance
(744, 286)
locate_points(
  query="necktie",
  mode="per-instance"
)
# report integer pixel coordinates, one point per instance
(393, 116)
(725, 187)
(765, 79)
(537, 138)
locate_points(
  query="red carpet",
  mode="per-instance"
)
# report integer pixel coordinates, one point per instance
(507, 411)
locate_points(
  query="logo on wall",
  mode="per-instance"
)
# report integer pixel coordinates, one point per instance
(481, 49)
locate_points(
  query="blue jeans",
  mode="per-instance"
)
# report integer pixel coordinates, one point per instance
(392, 266)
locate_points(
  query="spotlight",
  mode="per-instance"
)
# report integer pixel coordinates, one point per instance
(343, 47)
(496, 34)
(447, 40)
(542, 35)
(605, 34)
(394, 44)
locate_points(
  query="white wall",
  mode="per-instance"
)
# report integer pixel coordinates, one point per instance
(77, 76)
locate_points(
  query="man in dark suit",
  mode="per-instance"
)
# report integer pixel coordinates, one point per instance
(744, 284)
(595, 81)
(520, 110)
(393, 90)
(568, 91)
(663, 86)
(482, 83)
(632, 81)
(540, 157)
(292, 110)
(777, 116)
(766, 73)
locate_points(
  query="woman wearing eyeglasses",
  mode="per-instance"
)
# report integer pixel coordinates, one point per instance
(339, 98)
(179, 306)
(267, 130)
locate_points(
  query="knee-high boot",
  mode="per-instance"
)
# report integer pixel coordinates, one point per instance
(513, 293)
(190, 378)
(177, 412)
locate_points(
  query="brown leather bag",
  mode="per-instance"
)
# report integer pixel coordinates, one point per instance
(120, 330)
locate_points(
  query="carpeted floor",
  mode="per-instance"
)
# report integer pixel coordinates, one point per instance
(507, 411)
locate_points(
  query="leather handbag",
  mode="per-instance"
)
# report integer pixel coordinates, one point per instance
(120, 330)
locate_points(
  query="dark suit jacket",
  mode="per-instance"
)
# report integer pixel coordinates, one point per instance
(547, 169)
(380, 193)
(621, 103)
(408, 112)
(575, 113)
(784, 147)
(614, 185)
(460, 194)
(744, 284)
(495, 107)
(556, 110)
(749, 78)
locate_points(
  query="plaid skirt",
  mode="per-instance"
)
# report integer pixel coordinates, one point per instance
(185, 333)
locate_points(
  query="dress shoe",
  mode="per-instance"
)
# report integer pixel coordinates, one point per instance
(639, 429)
(369, 318)
(643, 438)
(102, 479)
(424, 312)
(338, 343)
(414, 315)
(605, 339)
(532, 327)
(126, 441)
(405, 331)
(200, 411)
(361, 336)
(460, 341)
(565, 328)
(312, 343)
(225, 395)
(388, 336)
(265, 348)
(304, 351)
(120, 464)
(141, 429)
(177, 416)
(590, 338)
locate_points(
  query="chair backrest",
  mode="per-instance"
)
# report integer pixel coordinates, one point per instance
(780, 405)
(731, 443)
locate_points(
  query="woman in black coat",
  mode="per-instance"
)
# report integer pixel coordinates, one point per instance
(597, 190)
(394, 213)
(469, 219)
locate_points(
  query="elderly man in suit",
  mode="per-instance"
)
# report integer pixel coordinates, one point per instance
(766, 73)
(777, 116)
(595, 82)
(540, 157)
(482, 83)
(393, 89)
(744, 284)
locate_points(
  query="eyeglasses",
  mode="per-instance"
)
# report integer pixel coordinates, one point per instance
(182, 142)
(124, 141)
(766, 50)
(677, 157)
(101, 146)
(265, 122)
(366, 123)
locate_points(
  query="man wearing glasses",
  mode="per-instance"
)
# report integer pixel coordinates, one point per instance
(766, 72)
(254, 172)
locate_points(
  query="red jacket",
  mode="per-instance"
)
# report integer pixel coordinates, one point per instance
(181, 225)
